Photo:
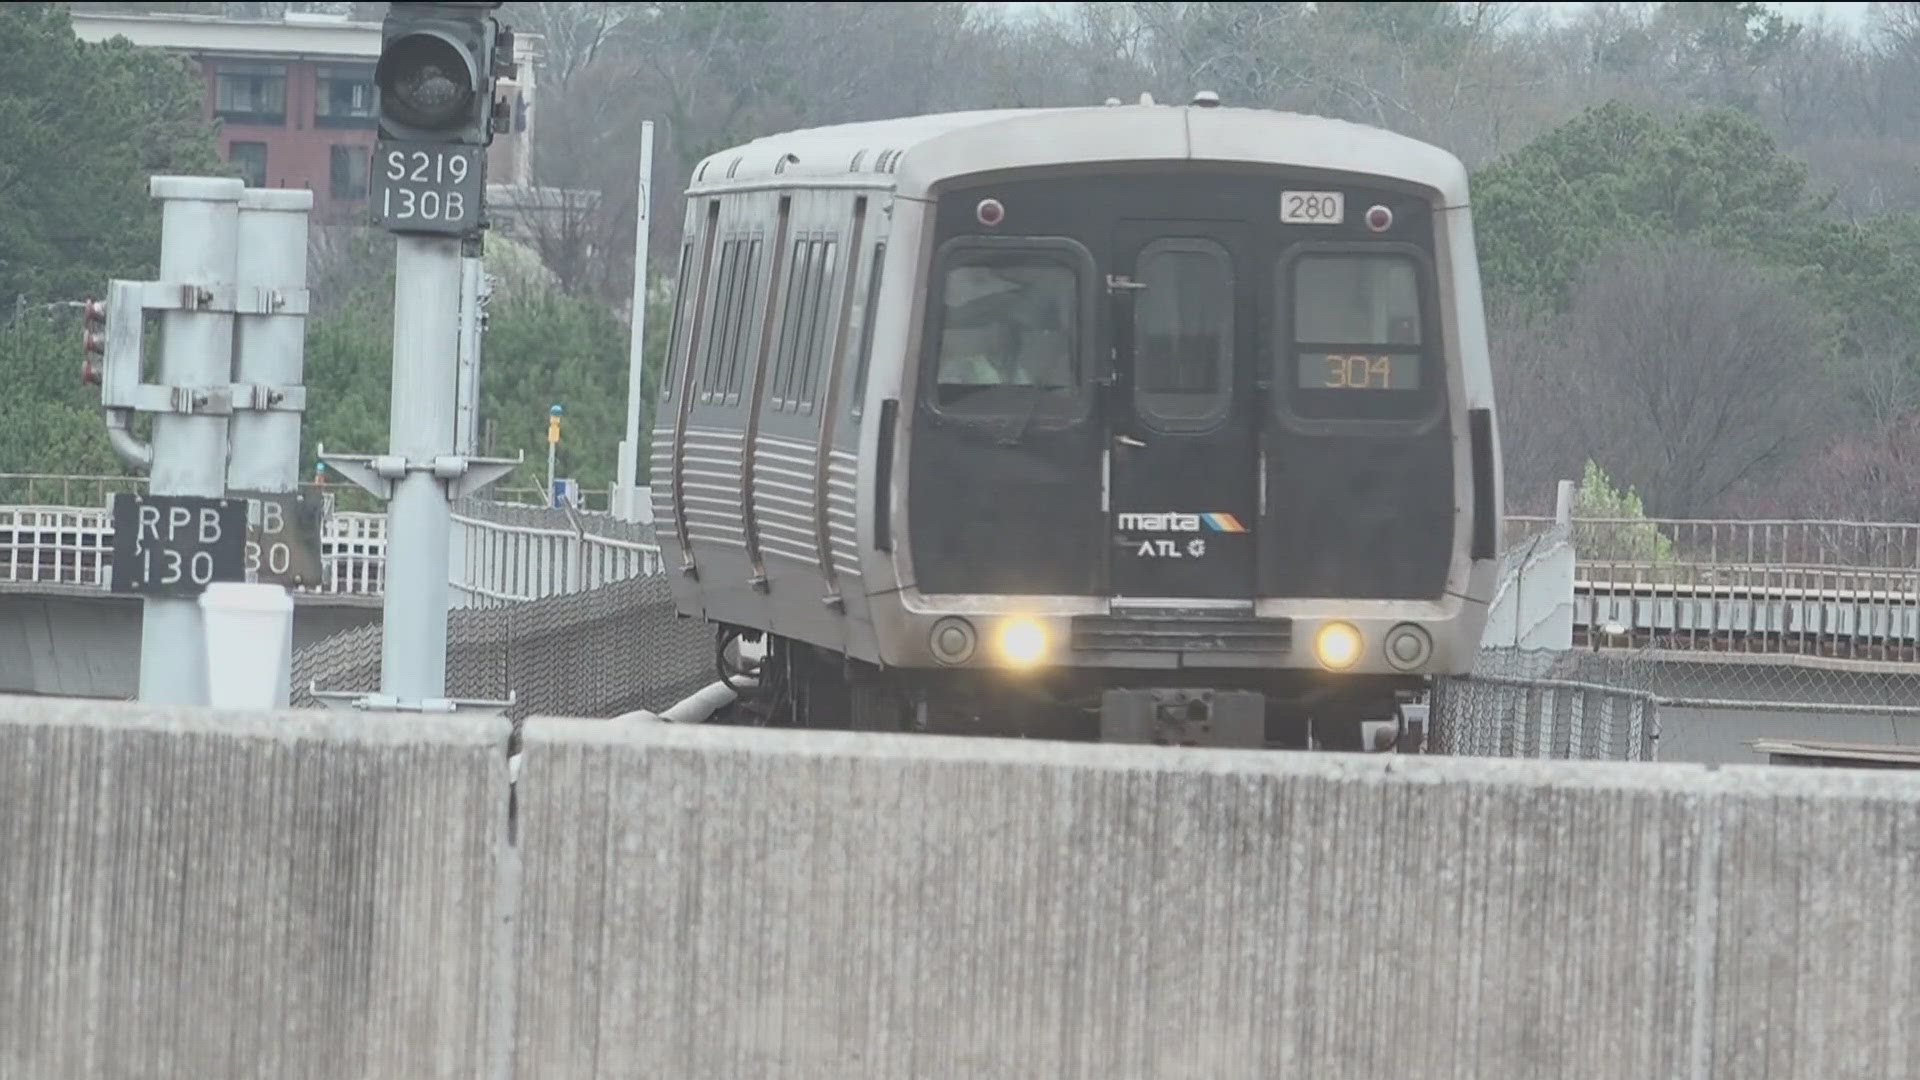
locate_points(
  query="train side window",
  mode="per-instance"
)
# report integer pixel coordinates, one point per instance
(1010, 333)
(676, 325)
(739, 322)
(1183, 334)
(781, 379)
(817, 340)
(720, 322)
(867, 317)
(1356, 344)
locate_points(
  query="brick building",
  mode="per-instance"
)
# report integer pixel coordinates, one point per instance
(295, 98)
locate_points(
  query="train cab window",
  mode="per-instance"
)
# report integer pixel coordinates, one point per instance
(1183, 334)
(1010, 333)
(1358, 338)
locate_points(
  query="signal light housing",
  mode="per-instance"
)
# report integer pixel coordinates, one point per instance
(93, 340)
(436, 70)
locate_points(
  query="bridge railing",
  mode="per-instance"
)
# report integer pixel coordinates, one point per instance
(88, 491)
(499, 552)
(1832, 588)
(503, 552)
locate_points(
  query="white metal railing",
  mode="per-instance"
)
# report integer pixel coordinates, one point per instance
(494, 561)
(93, 491)
(1831, 588)
(490, 561)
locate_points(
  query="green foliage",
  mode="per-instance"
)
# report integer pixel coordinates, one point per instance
(545, 348)
(49, 422)
(1617, 174)
(1613, 524)
(85, 125)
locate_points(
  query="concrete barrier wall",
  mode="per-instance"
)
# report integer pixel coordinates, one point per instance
(217, 895)
(311, 895)
(722, 903)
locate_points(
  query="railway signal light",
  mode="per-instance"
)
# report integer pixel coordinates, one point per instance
(93, 340)
(436, 70)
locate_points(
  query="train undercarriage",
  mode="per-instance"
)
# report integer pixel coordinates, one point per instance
(794, 684)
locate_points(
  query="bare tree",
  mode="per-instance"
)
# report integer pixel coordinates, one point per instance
(1693, 372)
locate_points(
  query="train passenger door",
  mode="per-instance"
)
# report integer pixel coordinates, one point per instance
(1183, 449)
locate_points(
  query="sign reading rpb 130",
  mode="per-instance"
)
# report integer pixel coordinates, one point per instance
(177, 545)
(428, 187)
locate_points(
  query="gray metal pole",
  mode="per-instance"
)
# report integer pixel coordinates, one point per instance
(426, 332)
(270, 350)
(199, 227)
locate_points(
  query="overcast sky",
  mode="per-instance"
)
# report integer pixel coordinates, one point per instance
(1850, 14)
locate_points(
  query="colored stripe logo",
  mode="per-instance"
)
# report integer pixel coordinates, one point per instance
(1223, 523)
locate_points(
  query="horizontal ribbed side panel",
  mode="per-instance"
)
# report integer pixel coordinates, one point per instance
(783, 500)
(842, 512)
(710, 487)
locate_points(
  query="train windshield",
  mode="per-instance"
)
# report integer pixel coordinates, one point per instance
(1009, 330)
(1357, 349)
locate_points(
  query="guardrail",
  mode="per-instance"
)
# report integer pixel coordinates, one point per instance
(491, 560)
(500, 559)
(81, 492)
(1842, 589)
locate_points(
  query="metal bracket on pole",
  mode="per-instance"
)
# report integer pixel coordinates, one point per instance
(376, 473)
(350, 701)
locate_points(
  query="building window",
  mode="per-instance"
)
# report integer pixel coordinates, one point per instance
(251, 159)
(250, 93)
(348, 172)
(344, 97)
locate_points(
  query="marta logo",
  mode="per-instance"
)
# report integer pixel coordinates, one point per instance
(1179, 523)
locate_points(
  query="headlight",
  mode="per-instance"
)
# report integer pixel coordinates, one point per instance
(1022, 642)
(1408, 646)
(1337, 646)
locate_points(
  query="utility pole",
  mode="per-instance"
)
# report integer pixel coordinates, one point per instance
(630, 502)
(436, 75)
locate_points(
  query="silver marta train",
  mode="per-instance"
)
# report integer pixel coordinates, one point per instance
(1138, 423)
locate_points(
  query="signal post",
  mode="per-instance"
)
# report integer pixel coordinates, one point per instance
(436, 74)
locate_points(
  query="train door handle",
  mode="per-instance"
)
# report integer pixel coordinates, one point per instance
(1127, 440)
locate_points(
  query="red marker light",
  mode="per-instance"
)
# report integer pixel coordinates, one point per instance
(1379, 218)
(990, 212)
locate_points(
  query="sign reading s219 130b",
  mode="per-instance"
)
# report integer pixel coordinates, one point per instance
(428, 187)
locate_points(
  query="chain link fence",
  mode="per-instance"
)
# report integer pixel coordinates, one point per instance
(1527, 703)
(564, 611)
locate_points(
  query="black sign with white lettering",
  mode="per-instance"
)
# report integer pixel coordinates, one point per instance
(283, 539)
(177, 545)
(428, 187)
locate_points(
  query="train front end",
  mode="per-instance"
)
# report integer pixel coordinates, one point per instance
(1198, 449)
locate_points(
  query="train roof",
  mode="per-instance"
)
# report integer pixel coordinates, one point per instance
(912, 155)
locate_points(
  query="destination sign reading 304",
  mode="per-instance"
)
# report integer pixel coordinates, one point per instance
(428, 187)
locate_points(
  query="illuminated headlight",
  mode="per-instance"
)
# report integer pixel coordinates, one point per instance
(953, 640)
(1408, 646)
(1337, 646)
(1022, 642)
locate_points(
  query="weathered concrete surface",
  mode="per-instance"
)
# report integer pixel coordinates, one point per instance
(703, 902)
(214, 895)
